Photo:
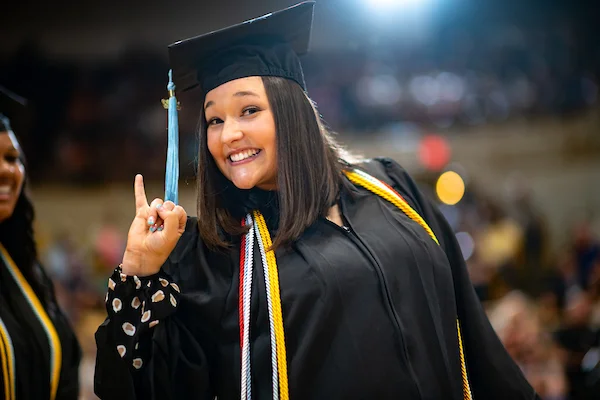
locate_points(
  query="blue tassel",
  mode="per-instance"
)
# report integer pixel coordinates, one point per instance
(172, 170)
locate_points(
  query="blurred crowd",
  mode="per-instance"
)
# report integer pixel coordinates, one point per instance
(87, 111)
(459, 78)
(543, 302)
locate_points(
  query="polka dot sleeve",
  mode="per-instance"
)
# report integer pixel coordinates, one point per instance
(135, 306)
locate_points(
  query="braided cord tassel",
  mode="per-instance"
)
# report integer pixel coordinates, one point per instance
(7, 363)
(388, 193)
(172, 169)
(43, 317)
(241, 289)
(246, 269)
(263, 256)
(273, 278)
(241, 316)
(383, 190)
(463, 366)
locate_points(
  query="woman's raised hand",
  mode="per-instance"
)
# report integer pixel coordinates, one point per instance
(153, 234)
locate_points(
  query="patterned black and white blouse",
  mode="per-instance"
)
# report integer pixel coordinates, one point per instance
(138, 305)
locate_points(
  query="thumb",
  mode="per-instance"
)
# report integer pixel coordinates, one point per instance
(174, 221)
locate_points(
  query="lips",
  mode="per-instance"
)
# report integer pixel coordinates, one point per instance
(5, 190)
(243, 155)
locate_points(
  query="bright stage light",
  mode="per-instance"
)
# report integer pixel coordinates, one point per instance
(382, 3)
(396, 4)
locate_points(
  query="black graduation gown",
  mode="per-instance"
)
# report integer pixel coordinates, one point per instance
(369, 313)
(31, 346)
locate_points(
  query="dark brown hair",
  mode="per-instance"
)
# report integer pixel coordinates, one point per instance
(309, 165)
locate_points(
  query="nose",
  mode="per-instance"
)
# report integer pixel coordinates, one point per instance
(231, 132)
(6, 168)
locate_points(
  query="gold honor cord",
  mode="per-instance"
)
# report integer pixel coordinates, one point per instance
(38, 309)
(7, 359)
(385, 191)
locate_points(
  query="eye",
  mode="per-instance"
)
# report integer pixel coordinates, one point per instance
(214, 121)
(250, 110)
(11, 158)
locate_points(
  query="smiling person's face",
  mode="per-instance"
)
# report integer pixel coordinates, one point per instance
(241, 133)
(12, 174)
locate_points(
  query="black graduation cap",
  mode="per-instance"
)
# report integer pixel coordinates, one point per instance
(266, 46)
(12, 106)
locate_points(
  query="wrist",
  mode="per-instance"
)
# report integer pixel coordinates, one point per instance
(132, 263)
(138, 264)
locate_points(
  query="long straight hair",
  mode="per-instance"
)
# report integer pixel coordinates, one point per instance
(17, 236)
(309, 171)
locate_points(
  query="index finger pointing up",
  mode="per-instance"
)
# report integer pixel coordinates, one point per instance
(140, 193)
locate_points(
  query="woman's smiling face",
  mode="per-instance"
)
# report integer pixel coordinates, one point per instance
(241, 133)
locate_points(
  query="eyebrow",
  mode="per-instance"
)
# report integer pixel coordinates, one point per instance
(11, 152)
(11, 149)
(236, 94)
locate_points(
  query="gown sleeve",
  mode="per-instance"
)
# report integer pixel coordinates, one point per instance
(493, 374)
(68, 384)
(144, 349)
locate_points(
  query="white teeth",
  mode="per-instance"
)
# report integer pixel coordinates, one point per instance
(5, 189)
(242, 155)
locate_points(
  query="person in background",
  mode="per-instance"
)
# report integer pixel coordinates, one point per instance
(39, 353)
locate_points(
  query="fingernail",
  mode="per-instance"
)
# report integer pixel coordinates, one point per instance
(160, 228)
(158, 206)
(153, 229)
(150, 220)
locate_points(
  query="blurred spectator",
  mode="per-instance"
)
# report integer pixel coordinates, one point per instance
(108, 248)
(515, 320)
(587, 250)
(581, 348)
(499, 242)
(66, 262)
(534, 243)
(85, 331)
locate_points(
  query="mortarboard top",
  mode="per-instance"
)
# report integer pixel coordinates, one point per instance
(266, 46)
(12, 106)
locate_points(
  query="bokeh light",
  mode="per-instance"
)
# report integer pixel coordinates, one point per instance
(466, 243)
(450, 188)
(434, 152)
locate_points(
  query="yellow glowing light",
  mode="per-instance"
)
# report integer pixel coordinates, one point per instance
(450, 188)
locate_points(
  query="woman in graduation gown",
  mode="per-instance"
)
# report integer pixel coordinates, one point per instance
(305, 275)
(39, 353)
